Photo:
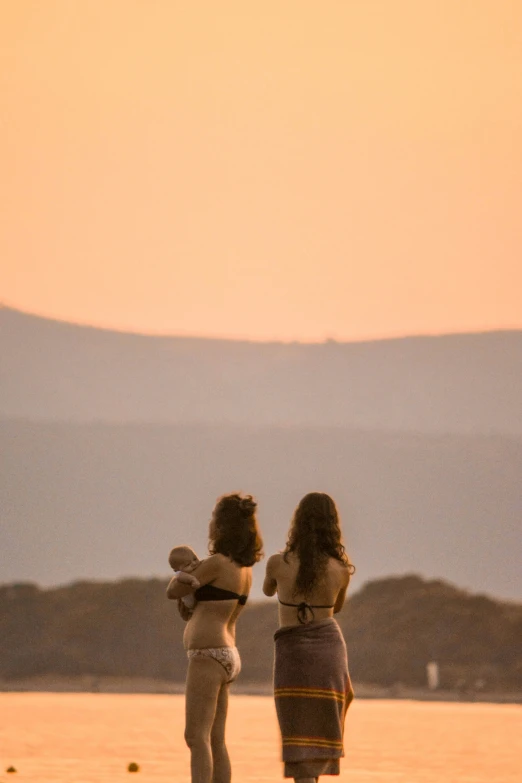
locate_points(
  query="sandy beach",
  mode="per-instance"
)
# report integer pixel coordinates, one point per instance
(91, 738)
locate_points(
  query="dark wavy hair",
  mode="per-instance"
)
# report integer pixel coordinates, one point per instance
(234, 531)
(315, 536)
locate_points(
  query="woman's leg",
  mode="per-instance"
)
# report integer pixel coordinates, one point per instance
(205, 678)
(222, 772)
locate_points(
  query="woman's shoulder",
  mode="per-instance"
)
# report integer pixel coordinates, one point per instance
(209, 568)
(341, 570)
(217, 558)
(275, 561)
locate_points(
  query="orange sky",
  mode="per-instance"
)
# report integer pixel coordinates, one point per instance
(285, 169)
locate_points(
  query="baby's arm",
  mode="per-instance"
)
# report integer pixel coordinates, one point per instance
(208, 570)
(187, 579)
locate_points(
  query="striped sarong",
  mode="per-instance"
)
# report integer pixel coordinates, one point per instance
(312, 692)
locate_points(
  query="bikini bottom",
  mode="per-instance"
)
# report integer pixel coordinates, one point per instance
(228, 657)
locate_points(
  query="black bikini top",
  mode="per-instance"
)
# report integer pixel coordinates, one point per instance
(303, 608)
(213, 593)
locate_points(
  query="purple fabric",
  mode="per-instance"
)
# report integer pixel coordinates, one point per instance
(313, 691)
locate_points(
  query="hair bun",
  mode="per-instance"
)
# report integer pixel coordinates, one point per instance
(247, 505)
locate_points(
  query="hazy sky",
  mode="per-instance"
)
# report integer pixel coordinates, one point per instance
(286, 169)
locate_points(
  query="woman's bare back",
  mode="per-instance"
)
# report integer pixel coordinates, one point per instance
(327, 596)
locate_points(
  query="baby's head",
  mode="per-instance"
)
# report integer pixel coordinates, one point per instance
(183, 558)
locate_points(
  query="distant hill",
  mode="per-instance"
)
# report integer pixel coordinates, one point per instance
(469, 383)
(106, 501)
(114, 446)
(393, 627)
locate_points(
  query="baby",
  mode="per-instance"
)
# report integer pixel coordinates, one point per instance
(183, 560)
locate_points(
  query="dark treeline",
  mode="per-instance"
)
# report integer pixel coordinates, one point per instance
(393, 627)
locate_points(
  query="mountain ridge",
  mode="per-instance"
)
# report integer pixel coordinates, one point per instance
(433, 384)
(110, 330)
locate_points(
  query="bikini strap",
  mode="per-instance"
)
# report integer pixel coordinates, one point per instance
(305, 607)
(210, 592)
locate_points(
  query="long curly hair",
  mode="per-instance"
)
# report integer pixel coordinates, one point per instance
(315, 536)
(234, 531)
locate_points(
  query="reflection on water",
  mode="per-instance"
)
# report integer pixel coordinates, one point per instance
(83, 738)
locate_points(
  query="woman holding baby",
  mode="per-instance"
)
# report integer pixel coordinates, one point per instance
(220, 585)
(312, 685)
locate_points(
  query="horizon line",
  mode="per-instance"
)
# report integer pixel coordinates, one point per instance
(327, 339)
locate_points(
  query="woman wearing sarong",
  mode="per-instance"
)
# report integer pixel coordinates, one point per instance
(312, 685)
(225, 578)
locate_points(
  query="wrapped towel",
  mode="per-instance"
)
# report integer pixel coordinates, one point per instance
(312, 691)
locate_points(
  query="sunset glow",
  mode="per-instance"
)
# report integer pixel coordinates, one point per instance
(271, 170)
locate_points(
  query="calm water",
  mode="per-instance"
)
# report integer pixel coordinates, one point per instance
(82, 738)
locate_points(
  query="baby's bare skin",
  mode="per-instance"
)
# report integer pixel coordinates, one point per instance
(183, 560)
(186, 578)
(213, 623)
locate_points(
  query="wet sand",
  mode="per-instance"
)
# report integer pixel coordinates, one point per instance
(89, 738)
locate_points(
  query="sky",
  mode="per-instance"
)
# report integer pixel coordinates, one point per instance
(275, 169)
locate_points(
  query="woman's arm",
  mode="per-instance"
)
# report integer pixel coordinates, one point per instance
(270, 583)
(341, 595)
(206, 572)
(177, 589)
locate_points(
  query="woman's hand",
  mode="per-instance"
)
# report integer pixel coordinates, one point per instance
(184, 611)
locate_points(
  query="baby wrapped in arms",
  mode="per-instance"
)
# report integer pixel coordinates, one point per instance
(183, 560)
